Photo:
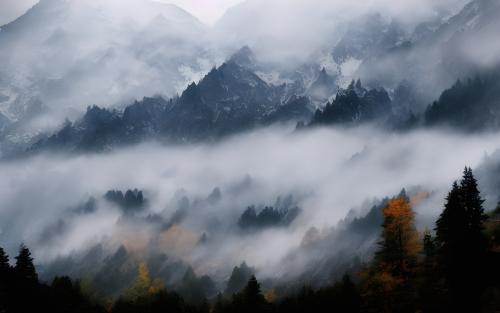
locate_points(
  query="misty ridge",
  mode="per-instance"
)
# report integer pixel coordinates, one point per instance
(266, 162)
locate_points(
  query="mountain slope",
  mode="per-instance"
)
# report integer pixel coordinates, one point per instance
(355, 105)
(77, 52)
(434, 57)
(473, 105)
(228, 100)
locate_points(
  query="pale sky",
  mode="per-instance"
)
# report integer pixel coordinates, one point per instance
(208, 11)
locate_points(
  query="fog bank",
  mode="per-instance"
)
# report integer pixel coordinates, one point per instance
(328, 172)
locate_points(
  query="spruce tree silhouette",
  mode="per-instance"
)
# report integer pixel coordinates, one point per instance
(26, 291)
(24, 269)
(4, 264)
(250, 300)
(474, 210)
(252, 291)
(462, 246)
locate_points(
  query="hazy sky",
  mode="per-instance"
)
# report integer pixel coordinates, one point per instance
(208, 11)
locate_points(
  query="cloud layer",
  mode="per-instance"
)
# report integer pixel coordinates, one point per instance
(327, 171)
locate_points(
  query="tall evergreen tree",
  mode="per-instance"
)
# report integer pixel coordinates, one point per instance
(474, 209)
(25, 269)
(252, 299)
(462, 246)
(450, 226)
(252, 290)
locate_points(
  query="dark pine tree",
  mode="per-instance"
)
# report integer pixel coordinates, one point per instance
(249, 300)
(450, 226)
(474, 210)
(252, 291)
(26, 294)
(252, 298)
(462, 246)
(25, 269)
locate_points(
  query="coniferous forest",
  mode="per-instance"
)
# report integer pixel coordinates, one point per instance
(451, 268)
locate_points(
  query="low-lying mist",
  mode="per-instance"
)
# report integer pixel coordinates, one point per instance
(197, 193)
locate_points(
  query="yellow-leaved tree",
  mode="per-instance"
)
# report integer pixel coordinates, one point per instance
(389, 281)
(400, 243)
(143, 285)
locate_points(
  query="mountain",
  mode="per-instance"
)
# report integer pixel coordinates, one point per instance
(355, 105)
(246, 58)
(111, 273)
(308, 80)
(472, 105)
(77, 52)
(133, 58)
(367, 36)
(296, 108)
(355, 239)
(323, 87)
(228, 100)
(436, 54)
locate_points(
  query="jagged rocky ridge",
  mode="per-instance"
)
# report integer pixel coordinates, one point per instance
(470, 105)
(239, 96)
(232, 99)
(357, 105)
(227, 100)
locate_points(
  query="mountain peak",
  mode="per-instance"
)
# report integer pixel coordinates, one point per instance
(244, 57)
(192, 93)
(323, 87)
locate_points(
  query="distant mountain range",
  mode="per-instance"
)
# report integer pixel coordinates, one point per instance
(229, 99)
(402, 74)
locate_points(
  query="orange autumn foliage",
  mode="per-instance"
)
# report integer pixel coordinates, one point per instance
(143, 284)
(388, 280)
(270, 295)
(400, 243)
(379, 282)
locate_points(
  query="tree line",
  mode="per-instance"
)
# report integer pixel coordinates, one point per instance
(452, 268)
